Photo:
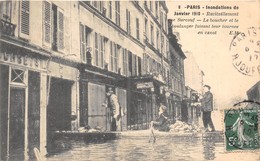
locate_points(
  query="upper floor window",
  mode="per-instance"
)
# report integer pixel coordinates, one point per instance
(161, 18)
(110, 8)
(162, 44)
(146, 28)
(117, 9)
(25, 18)
(114, 50)
(85, 49)
(152, 34)
(157, 39)
(99, 5)
(151, 6)
(167, 50)
(125, 62)
(156, 9)
(128, 21)
(6, 7)
(53, 26)
(137, 29)
(99, 50)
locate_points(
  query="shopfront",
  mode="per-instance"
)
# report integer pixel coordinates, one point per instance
(145, 93)
(22, 75)
(94, 84)
(62, 97)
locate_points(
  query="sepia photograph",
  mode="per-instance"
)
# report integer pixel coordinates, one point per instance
(166, 80)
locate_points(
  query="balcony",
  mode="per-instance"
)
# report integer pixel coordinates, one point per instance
(7, 28)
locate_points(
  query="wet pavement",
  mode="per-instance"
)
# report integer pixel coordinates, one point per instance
(135, 146)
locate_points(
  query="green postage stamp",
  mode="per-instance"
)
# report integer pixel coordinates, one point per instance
(241, 129)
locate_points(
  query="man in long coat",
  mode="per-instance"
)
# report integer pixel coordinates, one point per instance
(114, 107)
(207, 108)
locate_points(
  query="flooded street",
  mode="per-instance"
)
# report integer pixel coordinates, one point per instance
(135, 146)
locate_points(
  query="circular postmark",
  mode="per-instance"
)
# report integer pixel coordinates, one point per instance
(244, 48)
(241, 126)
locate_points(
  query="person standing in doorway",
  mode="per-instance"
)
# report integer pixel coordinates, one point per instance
(207, 108)
(114, 107)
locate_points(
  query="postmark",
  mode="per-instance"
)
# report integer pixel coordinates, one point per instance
(241, 128)
(244, 48)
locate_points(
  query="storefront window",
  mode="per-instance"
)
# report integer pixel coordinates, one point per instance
(17, 76)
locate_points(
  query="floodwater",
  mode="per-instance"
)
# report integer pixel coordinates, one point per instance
(135, 146)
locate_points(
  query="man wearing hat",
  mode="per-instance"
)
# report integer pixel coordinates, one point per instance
(114, 107)
(207, 108)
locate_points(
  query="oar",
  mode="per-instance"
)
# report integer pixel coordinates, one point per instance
(152, 134)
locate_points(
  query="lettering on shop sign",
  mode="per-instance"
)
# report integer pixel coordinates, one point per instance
(24, 60)
(144, 85)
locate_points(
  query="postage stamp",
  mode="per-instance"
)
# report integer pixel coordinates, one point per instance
(241, 129)
(244, 48)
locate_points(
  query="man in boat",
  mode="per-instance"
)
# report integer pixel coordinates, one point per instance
(161, 123)
(207, 108)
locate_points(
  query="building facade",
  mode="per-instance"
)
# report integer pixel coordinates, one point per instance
(124, 46)
(39, 76)
(194, 87)
(178, 107)
(58, 59)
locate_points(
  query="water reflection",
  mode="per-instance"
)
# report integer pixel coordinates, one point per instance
(133, 148)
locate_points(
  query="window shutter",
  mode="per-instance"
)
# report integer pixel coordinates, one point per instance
(25, 19)
(47, 23)
(111, 56)
(60, 29)
(82, 43)
(127, 30)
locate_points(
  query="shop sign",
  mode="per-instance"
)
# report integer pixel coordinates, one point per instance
(24, 60)
(144, 85)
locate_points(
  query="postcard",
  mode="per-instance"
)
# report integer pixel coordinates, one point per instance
(129, 80)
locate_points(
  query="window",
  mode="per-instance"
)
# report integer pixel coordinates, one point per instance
(53, 26)
(157, 39)
(139, 67)
(134, 64)
(99, 52)
(114, 56)
(137, 29)
(167, 50)
(110, 9)
(161, 18)
(125, 62)
(128, 22)
(95, 4)
(130, 63)
(6, 10)
(146, 28)
(102, 51)
(156, 9)
(18, 76)
(96, 49)
(151, 6)
(162, 44)
(25, 19)
(117, 4)
(85, 34)
(152, 34)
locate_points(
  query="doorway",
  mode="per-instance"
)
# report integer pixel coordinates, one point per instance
(59, 107)
(17, 121)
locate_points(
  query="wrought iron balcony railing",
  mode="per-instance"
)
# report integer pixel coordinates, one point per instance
(7, 27)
